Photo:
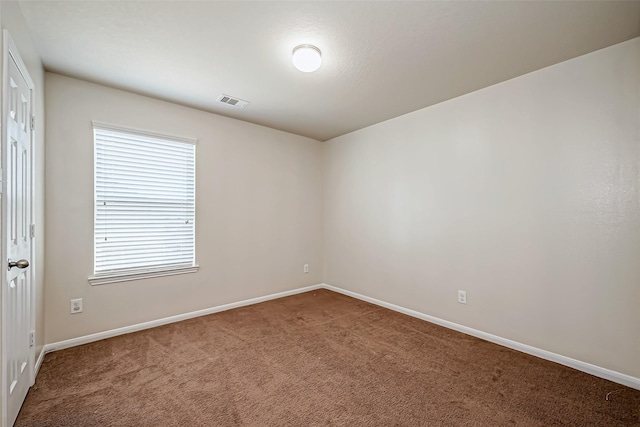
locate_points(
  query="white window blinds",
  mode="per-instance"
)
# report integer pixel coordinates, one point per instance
(144, 202)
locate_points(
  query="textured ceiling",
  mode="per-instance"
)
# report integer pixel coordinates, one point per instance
(380, 59)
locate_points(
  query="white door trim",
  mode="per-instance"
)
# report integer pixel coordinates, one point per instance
(10, 52)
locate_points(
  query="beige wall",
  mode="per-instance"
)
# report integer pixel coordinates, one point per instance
(258, 210)
(12, 20)
(525, 194)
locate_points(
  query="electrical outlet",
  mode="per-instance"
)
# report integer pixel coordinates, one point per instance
(306, 268)
(76, 306)
(462, 297)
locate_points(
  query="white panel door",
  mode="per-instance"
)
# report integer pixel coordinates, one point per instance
(16, 311)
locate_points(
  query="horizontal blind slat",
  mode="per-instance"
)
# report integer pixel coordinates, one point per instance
(115, 167)
(135, 138)
(170, 252)
(136, 150)
(121, 267)
(131, 258)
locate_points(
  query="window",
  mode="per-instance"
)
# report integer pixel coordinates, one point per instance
(144, 196)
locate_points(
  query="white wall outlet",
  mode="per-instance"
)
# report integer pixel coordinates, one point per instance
(76, 305)
(462, 297)
(306, 268)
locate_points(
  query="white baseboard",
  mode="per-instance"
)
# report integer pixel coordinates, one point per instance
(39, 361)
(61, 345)
(597, 371)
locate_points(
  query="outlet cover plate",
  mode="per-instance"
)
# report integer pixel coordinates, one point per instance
(462, 297)
(76, 306)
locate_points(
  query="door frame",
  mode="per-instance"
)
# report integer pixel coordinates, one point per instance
(10, 52)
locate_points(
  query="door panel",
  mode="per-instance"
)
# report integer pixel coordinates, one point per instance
(16, 323)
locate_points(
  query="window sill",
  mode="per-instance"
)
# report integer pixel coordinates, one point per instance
(125, 277)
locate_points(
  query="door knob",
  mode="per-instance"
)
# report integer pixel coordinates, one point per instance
(23, 263)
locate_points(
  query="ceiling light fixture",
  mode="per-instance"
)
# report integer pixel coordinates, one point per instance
(306, 58)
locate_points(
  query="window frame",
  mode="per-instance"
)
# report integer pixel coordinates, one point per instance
(124, 275)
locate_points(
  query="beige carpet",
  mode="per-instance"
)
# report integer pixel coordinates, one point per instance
(315, 359)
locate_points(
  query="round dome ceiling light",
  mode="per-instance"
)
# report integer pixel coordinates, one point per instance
(306, 58)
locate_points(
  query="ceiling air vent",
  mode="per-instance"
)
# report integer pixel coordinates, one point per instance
(232, 102)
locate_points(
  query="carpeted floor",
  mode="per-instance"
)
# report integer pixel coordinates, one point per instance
(315, 359)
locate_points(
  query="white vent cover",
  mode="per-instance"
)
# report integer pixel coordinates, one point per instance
(232, 102)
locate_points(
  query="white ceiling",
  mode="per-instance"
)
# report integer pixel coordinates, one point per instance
(380, 59)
